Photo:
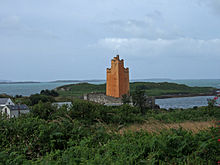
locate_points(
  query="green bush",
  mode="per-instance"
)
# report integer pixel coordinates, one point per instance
(36, 98)
(82, 134)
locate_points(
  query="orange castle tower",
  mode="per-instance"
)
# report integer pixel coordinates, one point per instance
(117, 78)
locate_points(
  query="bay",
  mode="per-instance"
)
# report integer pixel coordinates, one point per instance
(184, 102)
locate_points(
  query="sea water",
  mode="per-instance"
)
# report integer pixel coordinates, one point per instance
(184, 102)
(26, 89)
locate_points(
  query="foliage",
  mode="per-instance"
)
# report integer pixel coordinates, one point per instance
(90, 113)
(30, 140)
(126, 99)
(139, 99)
(180, 115)
(49, 93)
(85, 134)
(211, 103)
(5, 96)
(36, 98)
(18, 96)
(43, 110)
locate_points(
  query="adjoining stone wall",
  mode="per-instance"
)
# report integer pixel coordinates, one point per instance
(150, 103)
(117, 83)
(101, 98)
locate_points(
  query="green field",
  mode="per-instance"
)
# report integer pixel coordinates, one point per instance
(151, 89)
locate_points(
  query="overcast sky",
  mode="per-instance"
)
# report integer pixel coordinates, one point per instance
(43, 40)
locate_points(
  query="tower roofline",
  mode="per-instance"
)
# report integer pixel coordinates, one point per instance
(116, 58)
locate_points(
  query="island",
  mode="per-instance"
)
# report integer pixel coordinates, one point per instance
(158, 90)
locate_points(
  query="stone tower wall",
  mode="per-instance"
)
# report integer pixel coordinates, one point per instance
(117, 78)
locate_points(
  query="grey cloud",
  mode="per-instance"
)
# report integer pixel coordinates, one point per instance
(9, 21)
(213, 4)
(151, 26)
(171, 57)
(216, 5)
(13, 26)
(155, 15)
(174, 47)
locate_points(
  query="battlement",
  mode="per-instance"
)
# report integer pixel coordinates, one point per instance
(126, 70)
(116, 58)
(108, 70)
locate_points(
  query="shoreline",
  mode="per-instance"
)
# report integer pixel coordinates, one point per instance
(186, 95)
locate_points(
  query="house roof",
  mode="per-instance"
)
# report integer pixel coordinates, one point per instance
(3, 100)
(18, 107)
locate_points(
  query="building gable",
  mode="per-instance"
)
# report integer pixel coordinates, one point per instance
(6, 101)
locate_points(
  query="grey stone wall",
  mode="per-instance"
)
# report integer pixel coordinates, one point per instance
(112, 101)
(102, 99)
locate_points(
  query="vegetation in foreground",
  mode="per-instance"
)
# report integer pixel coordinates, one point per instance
(88, 133)
(151, 88)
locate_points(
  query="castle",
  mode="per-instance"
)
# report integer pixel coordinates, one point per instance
(117, 83)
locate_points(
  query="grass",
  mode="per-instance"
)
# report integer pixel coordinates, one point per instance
(80, 89)
(155, 126)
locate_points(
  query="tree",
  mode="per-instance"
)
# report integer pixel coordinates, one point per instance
(36, 98)
(43, 110)
(139, 99)
(49, 93)
(126, 99)
(212, 103)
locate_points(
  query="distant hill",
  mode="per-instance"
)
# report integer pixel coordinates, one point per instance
(74, 81)
(12, 82)
(5, 81)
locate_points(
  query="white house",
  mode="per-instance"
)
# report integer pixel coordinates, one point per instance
(14, 110)
(60, 104)
(218, 92)
(6, 101)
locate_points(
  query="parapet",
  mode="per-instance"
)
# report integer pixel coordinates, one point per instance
(126, 70)
(116, 60)
(108, 70)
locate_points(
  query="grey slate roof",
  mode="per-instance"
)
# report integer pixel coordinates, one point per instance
(3, 100)
(18, 107)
